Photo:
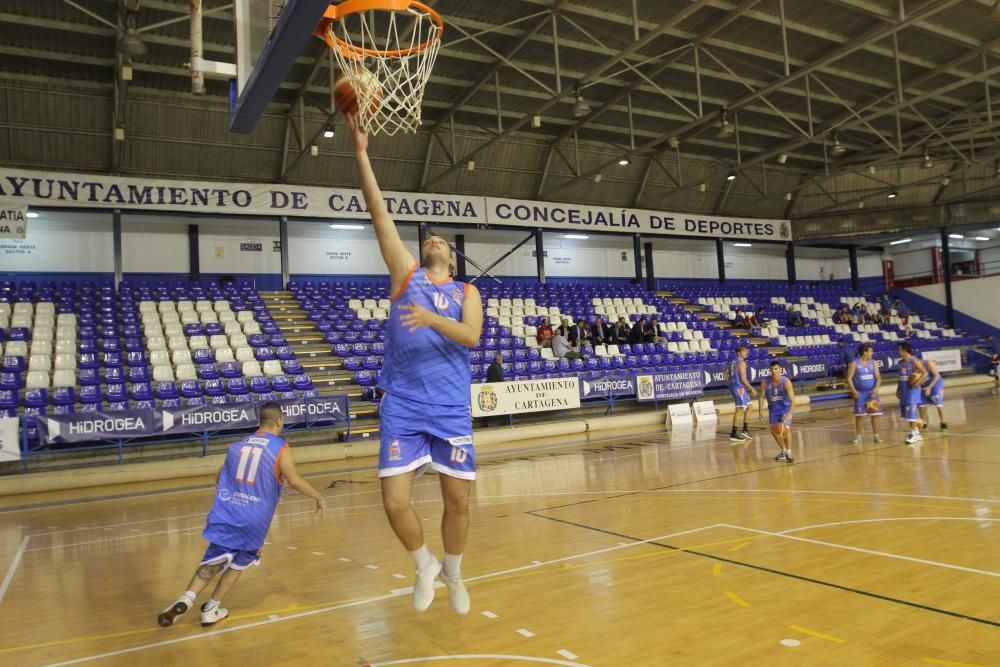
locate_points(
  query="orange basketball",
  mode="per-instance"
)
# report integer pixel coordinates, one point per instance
(873, 406)
(346, 99)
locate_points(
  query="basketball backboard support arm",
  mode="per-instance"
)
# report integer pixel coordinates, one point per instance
(295, 27)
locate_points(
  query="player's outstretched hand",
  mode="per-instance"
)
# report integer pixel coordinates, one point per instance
(360, 136)
(416, 317)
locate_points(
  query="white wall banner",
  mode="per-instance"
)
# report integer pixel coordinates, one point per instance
(511, 398)
(10, 448)
(30, 188)
(945, 360)
(13, 220)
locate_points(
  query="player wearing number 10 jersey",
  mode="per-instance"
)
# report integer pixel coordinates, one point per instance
(248, 490)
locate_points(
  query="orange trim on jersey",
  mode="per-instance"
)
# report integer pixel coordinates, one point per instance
(277, 464)
(440, 282)
(406, 281)
(465, 289)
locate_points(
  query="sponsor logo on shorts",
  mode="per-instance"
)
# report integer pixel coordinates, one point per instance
(394, 452)
(461, 440)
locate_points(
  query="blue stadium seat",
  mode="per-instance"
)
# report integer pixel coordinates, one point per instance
(142, 394)
(264, 353)
(365, 378)
(292, 367)
(259, 385)
(167, 394)
(230, 369)
(134, 344)
(63, 400)
(284, 353)
(114, 375)
(372, 363)
(15, 364)
(8, 402)
(208, 372)
(237, 387)
(302, 381)
(138, 374)
(111, 360)
(281, 383)
(215, 390)
(90, 398)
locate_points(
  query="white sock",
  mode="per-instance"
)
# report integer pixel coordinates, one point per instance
(211, 604)
(452, 565)
(422, 557)
(190, 595)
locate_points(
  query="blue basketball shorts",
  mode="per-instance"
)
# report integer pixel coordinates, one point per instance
(238, 559)
(741, 397)
(778, 416)
(860, 403)
(415, 436)
(909, 403)
(936, 396)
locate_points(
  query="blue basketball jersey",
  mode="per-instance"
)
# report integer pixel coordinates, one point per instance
(423, 365)
(248, 493)
(734, 375)
(777, 395)
(864, 375)
(905, 371)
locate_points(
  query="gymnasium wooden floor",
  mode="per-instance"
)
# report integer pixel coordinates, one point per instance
(653, 549)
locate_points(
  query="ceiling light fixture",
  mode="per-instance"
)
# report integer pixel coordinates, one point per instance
(341, 225)
(731, 176)
(726, 129)
(581, 108)
(328, 131)
(983, 238)
(624, 161)
(927, 163)
(579, 237)
(893, 195)
(130, 42)
(743, 245)
(900, 241)
(783, 158)
(956, 236)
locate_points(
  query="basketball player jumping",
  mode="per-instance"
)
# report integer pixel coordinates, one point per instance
(424, 418)
(248, 490)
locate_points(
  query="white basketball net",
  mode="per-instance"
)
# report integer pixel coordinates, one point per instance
(401, 77)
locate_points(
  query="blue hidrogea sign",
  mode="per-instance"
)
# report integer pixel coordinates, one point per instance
(887, 363)
(607, 385)
(86, 426)
(90, 426)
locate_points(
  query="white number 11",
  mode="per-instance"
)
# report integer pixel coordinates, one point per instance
(245, 453)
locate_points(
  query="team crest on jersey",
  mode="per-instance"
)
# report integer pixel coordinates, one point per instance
(394, 452)
(458, 295)
(487, 399)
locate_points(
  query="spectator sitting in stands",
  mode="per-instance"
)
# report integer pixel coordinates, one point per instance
(654, 335)
(621, 332)
(580, 333)
(564, 328)
(544, 333)
(495, 371)
(886, 305)
(794, 318)
(755, 319)
(562, 347)
(639, 330)
(601, 333)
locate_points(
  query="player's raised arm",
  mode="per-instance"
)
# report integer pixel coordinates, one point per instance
(286, 464)
(397, 258)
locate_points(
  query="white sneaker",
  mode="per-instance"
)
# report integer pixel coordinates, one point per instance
(914, 438)
(423, 587)
(458, 594)
(213, 615)
(857, 440)
(167, 616)
(878, 439)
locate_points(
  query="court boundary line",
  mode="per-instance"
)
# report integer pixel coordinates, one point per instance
(13, 567)
(790, 575)
(870, 552)
(490, 656)
(379, 598)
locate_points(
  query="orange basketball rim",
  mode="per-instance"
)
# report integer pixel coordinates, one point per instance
(337, 12)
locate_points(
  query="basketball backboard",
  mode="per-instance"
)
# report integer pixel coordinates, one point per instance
(270, 35)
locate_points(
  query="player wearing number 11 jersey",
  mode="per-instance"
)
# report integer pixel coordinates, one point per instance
(247, 494)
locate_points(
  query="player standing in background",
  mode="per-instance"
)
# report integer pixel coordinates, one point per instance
(864, 380)
(741, 389)
(933, 394)
(424, 417)
(911, 376)
(248, 490)
(780, 400)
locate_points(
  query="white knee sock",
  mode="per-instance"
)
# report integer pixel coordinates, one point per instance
(452, 565)
(422, 557)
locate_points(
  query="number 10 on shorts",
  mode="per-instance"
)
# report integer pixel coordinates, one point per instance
(459, 455)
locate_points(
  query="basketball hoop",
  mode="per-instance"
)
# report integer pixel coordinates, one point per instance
(396, 41)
